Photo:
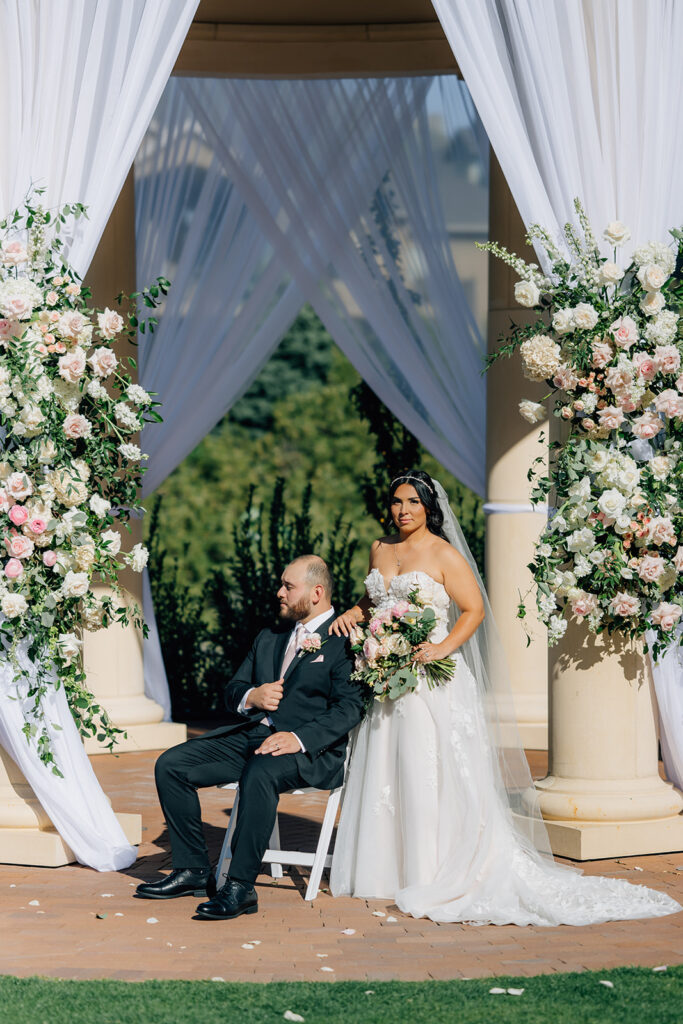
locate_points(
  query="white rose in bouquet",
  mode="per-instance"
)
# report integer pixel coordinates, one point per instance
(653, 303)
(583, 604)
(75, 584)
(563, 321)
(652, 277)
(110, 323)
(73, 326)
(103, 362)
(582, 540)
(625, 605)
(76, 426)
(84, 556)
(562, 581)
(72, 365)
(18, 486)
(13, 253)
(655, 252)
(527, 294)
(69, 647)
(667, 358)
(610, 273)
(651, 567)
(137, 558)
(100, 506)
(666, 615)
(585, 316)
(660, 467)
(624, 331)
(13, 605)
(112, 541)
(532, 412)
(92, 616)
(616, 233)
(33, 420)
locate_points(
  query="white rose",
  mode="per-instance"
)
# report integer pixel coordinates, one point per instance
(582, 540)
(563, 321)
(532, 412)
(655, 252)
(69, 647)
(585, 316)
(610, 273)
(71, 325)
(653, 303)
(660, 467)
(652, 277)
(75, 584)
(616, 233)
(629, 476)
(113, 541)
(137, 558)
(32, 418)
(13, 252)
(100, 506)
(109, 323)
(13, 605)
(72, 365)
(598, 460)
(103, 362)
(527, 294)
(92, 616)
(18, 486)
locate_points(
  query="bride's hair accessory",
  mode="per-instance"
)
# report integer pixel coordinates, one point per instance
(407, 476)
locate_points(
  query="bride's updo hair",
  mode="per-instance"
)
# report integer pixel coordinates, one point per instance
(426, 492)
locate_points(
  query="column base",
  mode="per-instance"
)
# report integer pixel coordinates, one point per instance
(151, 736)
(606, 840)
(45, 848)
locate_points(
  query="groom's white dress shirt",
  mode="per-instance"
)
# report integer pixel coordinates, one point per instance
(301, 630)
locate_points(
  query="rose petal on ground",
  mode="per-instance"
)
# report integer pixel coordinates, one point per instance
(218, 979)
(378, 913)
(34, 903)
(369, 992)
(152, 920)
(661, 968)
(607, 984)
(13, 886)
(324, 956)
(636, 868)
(348, 931)
(247, 945)
(496, 991)
(328, 969)
(118, 914)
(106, 895)
(392, 920)
(255, 942)
(515, 991)
(288, 1015)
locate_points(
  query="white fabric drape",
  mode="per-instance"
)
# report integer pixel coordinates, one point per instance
(341, 178)
(581, 98)
(79, 81)
(585, 99)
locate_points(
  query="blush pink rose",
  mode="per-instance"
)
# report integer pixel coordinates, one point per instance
(76, 426)
(618, 377)
(19, 306)
(51, 298)
(371, 648)
(103, 362)
(19, 546)
(376, 624)
(18, 514)
(679, 382)
(666, 615)
(37, 525)
(625, 605)
(71, 325)
(583, 604)
(5, 503)
(110, 323)
(602, 353)
(624, 331)
(660, 530)
(565, 378)
(13, 569)
(670, 403)
(624, 401)
(400, 609)
(13, 253)
(651, 568)
(18, 486)
(72, 365)
(647, 426)
(645, 365)
(610, 417)
(678, 560)
(667, 358)
(49, 558)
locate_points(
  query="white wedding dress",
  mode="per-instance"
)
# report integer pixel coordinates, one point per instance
(423, 822)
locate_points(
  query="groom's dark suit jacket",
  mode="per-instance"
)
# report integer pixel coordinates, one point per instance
(320, 703)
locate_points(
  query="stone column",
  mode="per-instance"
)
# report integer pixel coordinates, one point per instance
(603, 796)
(512, 445)
(113, 657)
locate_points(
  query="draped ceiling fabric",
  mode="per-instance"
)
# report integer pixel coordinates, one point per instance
(585, 99)
(79, 82)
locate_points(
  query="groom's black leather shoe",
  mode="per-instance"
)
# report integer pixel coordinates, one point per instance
(232, 900)
(182, 882)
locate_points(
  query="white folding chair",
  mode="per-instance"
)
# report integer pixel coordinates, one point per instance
(274, 855)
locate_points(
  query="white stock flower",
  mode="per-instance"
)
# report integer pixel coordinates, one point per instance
(580, 490)
(557, 627)
(585, 316)
(616, 233)
(562, 581)
(96, 390)
(546, 604)
(582, 566)
(100, 506)
(33, 419)
(532, 412)
(137, 558)
(540, 357)
(131, 452)
(662, 329)
(563, 321)
(527, 294)
(75, 584)
(92, 616)
(13, 605)
(137, 395)
(126, 417)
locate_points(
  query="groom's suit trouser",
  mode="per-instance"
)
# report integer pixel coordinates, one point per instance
(213, 761)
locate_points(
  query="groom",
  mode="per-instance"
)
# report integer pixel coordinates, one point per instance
(284, 734)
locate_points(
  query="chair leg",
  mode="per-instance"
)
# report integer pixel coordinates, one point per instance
(225, 857)
(323, 844)
(275, 868)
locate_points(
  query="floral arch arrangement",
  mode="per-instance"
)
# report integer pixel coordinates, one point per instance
(70, 469)
(608, 344)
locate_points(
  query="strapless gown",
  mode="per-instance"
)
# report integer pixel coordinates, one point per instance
(422, 821)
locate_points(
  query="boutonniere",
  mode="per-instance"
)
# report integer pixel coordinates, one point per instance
(311, 642)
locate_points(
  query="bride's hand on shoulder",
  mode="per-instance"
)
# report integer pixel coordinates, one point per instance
(345, 622)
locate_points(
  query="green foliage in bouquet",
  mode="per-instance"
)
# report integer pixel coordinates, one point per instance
(608, 344)
(70, 472)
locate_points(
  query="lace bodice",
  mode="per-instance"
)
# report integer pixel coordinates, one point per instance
(432, 593)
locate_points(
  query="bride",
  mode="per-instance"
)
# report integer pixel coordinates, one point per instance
(439, 811)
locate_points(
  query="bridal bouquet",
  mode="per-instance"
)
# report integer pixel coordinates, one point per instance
(385, 649)
(70, 469)
(608, 344)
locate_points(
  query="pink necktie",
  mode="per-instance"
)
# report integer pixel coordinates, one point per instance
(292, 649)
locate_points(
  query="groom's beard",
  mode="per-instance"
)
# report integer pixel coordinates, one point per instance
(296, 612)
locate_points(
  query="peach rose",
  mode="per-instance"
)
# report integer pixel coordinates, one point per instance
(660, 530)
(76, 426)
(670, 403)
(625, 605)
(667, 358)
(19, 546)
(651, 568)
(666, 615)
(18, 514)
(109, 323)
(625, 332)
(72, 365)
(647, 426)
(644, 364)
(602, 353)
(583, 604)
(72, 324)
(565, 378)
(678, 560)
(13, 253)
(610, 417)
(18, 486)
(103, 362)
(13, 569)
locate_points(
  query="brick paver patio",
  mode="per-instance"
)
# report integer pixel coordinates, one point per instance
(72, 922)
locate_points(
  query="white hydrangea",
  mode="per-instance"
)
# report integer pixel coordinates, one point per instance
(540, 357)
(137, 395)
(96, 390)
(18, 298)
(662, 329)
(655, 252)
(13, 605)
(125, 416)
(131, 452)
(68, 395)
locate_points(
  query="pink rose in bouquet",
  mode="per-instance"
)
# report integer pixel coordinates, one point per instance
(660, 530)
(625, 332)
(19, 546)
(625, 605)
(13, 569)
(400, 609)
(666, 615)
(645, 365)
(651, 568)
(37, 525)
(18, 514)
(647, 426)
(667, 358)
(670, 403)
(49, 558)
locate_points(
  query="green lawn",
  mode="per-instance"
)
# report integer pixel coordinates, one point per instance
(638, 996)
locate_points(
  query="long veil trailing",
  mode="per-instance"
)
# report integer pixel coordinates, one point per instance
(485, 658)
